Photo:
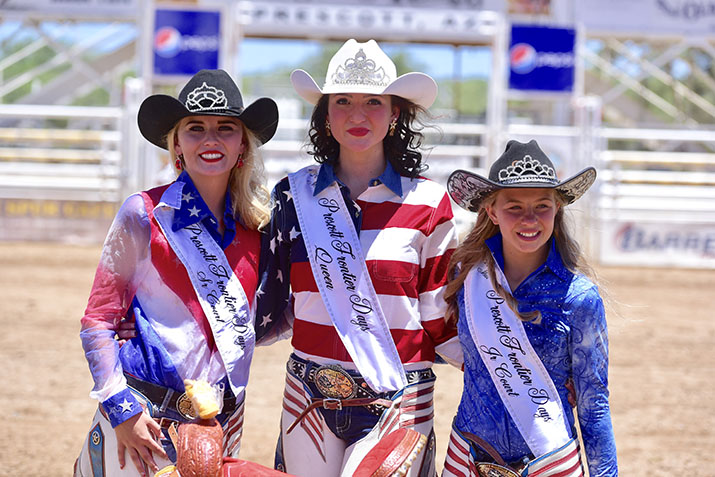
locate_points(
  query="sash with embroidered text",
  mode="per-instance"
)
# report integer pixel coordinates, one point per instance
(345, 286)
(219, 291)
(520, 377)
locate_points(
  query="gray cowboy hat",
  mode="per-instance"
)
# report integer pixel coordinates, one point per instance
(208, 92)
(520, 165)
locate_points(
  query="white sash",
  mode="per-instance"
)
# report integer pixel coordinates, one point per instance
(523, 383)
(219, 291)
(341, 274)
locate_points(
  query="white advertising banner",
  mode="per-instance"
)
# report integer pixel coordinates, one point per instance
(332, 19)
(75, 8)
(648, 17)
(495, 5)
(658, 244)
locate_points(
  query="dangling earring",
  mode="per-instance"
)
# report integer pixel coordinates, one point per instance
(239, 163)
(179, 161)
(327, 128)
(393, 124)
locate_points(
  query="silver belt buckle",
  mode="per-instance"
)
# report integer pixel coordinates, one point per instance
(334, 382)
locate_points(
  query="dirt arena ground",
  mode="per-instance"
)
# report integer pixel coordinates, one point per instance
(662, 368)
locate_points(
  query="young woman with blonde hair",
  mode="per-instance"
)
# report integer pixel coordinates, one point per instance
(181, 258)
(529, 321)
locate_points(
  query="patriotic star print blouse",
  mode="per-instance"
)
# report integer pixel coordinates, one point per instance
(139, 273)
(407, 233)
(571, 341)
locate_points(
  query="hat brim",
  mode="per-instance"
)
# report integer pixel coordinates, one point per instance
(159, 113)
(468, 190)
(419, 88)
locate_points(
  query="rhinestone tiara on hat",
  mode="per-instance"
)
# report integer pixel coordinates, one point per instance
(206, 98)
(360, 70)
(527, 170)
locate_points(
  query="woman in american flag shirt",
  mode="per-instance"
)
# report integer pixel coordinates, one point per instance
(354, 265)
(183, 259)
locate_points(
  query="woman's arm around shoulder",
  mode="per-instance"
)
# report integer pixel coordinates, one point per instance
(273, 319)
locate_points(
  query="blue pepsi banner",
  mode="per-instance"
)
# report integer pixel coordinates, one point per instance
(542, 58)
(185, 41)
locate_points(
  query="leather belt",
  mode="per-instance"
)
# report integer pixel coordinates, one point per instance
(338, 404)
(342, 388)
(166, 398)
(306, 370)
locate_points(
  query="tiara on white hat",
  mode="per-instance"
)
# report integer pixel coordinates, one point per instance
(365, 68)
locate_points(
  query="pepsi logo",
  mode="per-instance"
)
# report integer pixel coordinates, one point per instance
(167, 42)
(522, 58)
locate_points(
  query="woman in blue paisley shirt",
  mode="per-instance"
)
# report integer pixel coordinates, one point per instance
(529, 322)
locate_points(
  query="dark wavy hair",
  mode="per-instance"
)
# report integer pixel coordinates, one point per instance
(401, 149)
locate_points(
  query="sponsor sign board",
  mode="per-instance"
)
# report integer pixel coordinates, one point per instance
(541, 58)
(75, 8)
(658, 244)
(363, 21)
(647, 17)
(185, 41)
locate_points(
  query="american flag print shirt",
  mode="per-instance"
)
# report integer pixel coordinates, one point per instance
(140, 275)
(407, 234)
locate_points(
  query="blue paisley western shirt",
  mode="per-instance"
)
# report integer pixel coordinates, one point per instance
(572, 342)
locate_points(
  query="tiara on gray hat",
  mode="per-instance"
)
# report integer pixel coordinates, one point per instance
(521, 165)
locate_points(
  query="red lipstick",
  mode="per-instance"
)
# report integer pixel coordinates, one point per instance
(211, 156)
(359, 132)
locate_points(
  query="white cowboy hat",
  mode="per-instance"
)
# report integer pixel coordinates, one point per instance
(365, 68)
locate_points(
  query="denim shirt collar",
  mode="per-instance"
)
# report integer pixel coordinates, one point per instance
(193, 208)
(390, 178)
(553, 260)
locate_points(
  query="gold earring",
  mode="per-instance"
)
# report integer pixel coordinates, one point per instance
(393, 124)
(327, 128)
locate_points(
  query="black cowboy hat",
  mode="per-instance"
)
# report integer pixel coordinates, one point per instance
(521, 165)
(208, 92)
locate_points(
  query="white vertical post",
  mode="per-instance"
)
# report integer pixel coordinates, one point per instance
(588, 153)
(497, 92)
(138, 166)
(228, 37)
(145, 44)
